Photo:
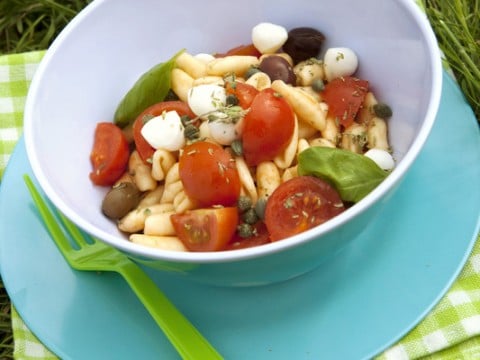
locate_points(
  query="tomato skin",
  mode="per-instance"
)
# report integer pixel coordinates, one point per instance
(261, 237)
(300, 204)
(109, 155)
(245, 93)
(206, 229)
(249, 50)
(345, 96)
(209, 175)
(267, 127)
(145, 150)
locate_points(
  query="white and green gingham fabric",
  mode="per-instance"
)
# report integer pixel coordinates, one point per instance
(450, 331)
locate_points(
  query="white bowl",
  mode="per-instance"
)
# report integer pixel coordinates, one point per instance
(103, 51)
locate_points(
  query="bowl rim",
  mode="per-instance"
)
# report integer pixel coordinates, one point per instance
(259, 251)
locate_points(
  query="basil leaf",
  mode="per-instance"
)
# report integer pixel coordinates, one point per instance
(353, 175)
(152, 87)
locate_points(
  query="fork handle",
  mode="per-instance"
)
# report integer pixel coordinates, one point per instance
(188, 341)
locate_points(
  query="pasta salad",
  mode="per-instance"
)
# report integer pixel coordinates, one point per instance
(213, 152)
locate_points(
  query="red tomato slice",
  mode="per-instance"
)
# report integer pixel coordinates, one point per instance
(267, 127)
(209, 175)
(145, 150)
(300, 204)
(245, 93)
(248, 50)
(109, 155)
(261, 237)
(345, 96)
(206, 229)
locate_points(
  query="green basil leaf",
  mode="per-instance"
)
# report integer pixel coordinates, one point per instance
(353, 175)
(152, 87)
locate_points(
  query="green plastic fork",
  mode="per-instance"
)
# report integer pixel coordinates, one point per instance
(94, 255)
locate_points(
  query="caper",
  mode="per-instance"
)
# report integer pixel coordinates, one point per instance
(277, 68)
(120, 200)
(303, 43)
(260, 208)
(245, 230)
(318, 85)
(252, 70)
(250, 216)
(382, 110)
(237, 147)
(231, 100)
(191, 132)
(244, 203)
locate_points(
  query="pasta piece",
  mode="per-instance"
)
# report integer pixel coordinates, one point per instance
(331, 132)
(134, 221)
(377, 134)
(159, 224)
(322, 142)
(246, 179)
(290, 173)
(181, 82)
(141, 173)
(366, 114)
(182, 203)
(191, 65)
(236, 64)
(286, 159)
(354, 138)
(172, 243)
(215, 80)
(162, 161)
(302, 145)
(151, 197)
(125, 178)
(268, 179)
(306, 131)
(306, 107)
(309, 70)
(172, 185)
(259, 80)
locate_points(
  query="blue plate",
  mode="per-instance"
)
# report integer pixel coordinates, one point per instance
(352, 307)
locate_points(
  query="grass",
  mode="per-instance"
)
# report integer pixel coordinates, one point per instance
(27, 25)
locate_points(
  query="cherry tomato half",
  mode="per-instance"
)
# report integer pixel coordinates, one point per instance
(206, 229)
(109, 155)
(345, 96)
(300, 204)
(209, 175)
(267, 127)
(245, 93)
(145, 150)
(248, 50)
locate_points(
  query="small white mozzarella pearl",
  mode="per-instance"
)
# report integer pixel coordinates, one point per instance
(382, 158)
(165, 132)
(339, 62)
(206, 98)
(268, 38)
(205, 58)
(223, 132)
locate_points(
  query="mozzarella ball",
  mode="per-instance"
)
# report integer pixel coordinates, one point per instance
(165, 132)
(268, 38)
(223, 132)
(382, 158)
(206, 98)
(205, 58)
(339, 62)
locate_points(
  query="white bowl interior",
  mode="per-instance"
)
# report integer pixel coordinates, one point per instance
(109, 45)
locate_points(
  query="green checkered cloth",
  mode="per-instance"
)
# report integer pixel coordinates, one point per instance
(450, 331)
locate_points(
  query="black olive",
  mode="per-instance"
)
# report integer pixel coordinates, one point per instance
(303, 43)
(120, 200)
(277, 68)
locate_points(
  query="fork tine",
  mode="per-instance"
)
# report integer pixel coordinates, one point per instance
(50, 221)
(75, 233)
